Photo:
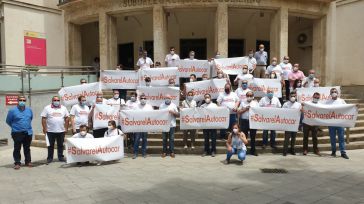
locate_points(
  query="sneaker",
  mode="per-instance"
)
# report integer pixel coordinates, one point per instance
(164, 155)
(135, 156)
(173, 155)
(204, 154)
(226, 162)
(99, 163)
(293, 152)
(144, 156)
(213, 154)
(345, 156)
(17, 167)
(185, 147)
(192, 147)
(333, 154)
(317, 153)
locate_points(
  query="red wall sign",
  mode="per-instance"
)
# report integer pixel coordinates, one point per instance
(11, 100)
(35, 49)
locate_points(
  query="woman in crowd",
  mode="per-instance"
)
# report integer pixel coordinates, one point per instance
(236, 144)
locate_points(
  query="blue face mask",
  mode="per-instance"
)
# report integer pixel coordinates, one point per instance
(270, 95)
(168, 101)
(56, 103)
(245, 86)
(83, 103)
(21, 103)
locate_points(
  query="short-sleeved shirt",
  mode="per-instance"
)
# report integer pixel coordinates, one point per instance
(228, 100)
(273, 103)
(261, 57)
(251, 62)
(241, 77)
(170, 107)
(291, 105)
(78, 135)
(81, 115)
(112, 133)
(117, 102)
(20, 120)
(296, 75)
(172, 60)
(189, 104)
(145, 107)
(130, 105)
(338, 101)
(310, 82)
(209, 105)
(55, 118)
(287, 69)
(144, 63)
(241, 93)
(244, 104)
(277, 69)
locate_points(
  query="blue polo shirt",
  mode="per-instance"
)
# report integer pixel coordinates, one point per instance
(20, 120)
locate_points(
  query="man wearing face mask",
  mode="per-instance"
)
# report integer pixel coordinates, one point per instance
(79, 114)
(292, 104)
(97, 133)
(173, 110)
(148, 81)
(205, 77)
(171, 82)
(262, 58)
(309, 81)
(100, 95)
(172, 58)
(287, 69)
(244, 76)
(274, 67)
(269, 101)
(313, 129)
(20, 119)
(231, 101)
(242, 90)
(296, 74)
(243, 110)
(144, 62)
(336, 131)
(55, 124)
(209, 134)
(191, 56)
(316, 83)
(221, 75)
(143, 105)
(83, 133)
(252, 62)
(131, 104)
(116, 101)
(189, 102)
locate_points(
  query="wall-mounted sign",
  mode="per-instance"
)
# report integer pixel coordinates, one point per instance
(35, 48)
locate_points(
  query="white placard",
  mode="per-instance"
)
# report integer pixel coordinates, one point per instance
(103, 114)
(197, 67)
(260, 87)
(156, 95)
(305, 94)
(69, 95)
(159, 76)
(205, 118)
(233, 66)
(118, 79)
(213, 87)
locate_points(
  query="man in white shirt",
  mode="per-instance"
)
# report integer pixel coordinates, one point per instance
(172, 58)
(143, 105)
(252, 62)
(287, 69)
(116, 101)
(230, 100)
(310, 128)
(83, 133)
(99, 131)
(269, 101)
(292, 104)
(241, 91)
(209, 134)
(191, 56)
(79, 114)
(55, 124)
(339, 131)
(309, 81)
(244, 76)
(133, 103)
(243, 110)
(274, 67)
(173, 110)
(144, 62)
(189, 102)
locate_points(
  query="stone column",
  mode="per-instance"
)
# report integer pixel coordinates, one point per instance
(279, 34)
(159, 34)
(73, 44)
(222, 29)
(331, 75)
(108, 41)
(319, 49)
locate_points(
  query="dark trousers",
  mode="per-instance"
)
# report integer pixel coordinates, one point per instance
(210, 134)
(140, 136)
(287, 136)
(52, 137)
(306, 131)
(244, 126)
(286, 82)
(21, 138)
(272, 137)
(99, 132)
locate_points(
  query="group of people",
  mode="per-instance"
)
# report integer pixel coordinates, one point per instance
(56, 118)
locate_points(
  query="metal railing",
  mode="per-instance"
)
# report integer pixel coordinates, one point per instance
(26, 80)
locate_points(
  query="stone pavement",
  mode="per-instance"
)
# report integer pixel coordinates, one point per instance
(186, 179)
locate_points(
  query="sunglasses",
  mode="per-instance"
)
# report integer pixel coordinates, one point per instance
(22, 100)
(56, 100)
(143, 98)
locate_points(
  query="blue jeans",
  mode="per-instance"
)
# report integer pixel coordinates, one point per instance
(170, 136)
(231, 122)
(138, 136)
(272, 137)
(241, 154)
(210, 134)
(340, 133)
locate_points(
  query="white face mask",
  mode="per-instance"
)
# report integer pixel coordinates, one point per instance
(116, 96)
(83, 133)
(274, 63)
(236, 130)
(143, 102)
(172, 52)
(133, 99)
(334, 95)
(207, 100)
(285, 61)
(315, 100)
(110, 127)
(293, 99)
(272, 76)
(192, 80)
(261, 49)
(250, 55)
(316, 85)
(249, 99)
(192, 56)
(219, 76)
(147, 83)
(245, 71)
(204, 79)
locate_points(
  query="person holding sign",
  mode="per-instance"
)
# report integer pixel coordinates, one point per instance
(173, 110)
(236, 144)
(83, 133)
(143, 105)
(97, 131)
(242, 91)
(209, 133)
(116, 101)
(269, 101)
(144, 62)
(112, 130)
(244, 119)
(293, 104)
(339, 131)
(313, 129)
(79, 114)
(244, 76)
(55, 124)
(231, 101)
(189, 103)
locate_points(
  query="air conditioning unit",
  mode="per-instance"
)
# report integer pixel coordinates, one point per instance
(304, 38)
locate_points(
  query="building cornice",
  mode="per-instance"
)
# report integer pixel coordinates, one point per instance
(32, 6)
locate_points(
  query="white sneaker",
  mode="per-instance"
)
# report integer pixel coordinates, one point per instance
(192, 147)
(185, 147)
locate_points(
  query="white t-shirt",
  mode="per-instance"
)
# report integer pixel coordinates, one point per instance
(78, 135)
(244, 104)
(242, 77)
(145, 107)
(291, 105)
(228, 100)
(287, 69)
(130, 105)
(241, 93)
(189, 104)
(117, 102)
(81, 114)
(172, 60)
(251, 62)
(170, 107)
(209, 105)
(338, 101)
(144, 63)
(277, 69)
(55, 118)
(310, 82)
(114, 132)
(266, 102)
